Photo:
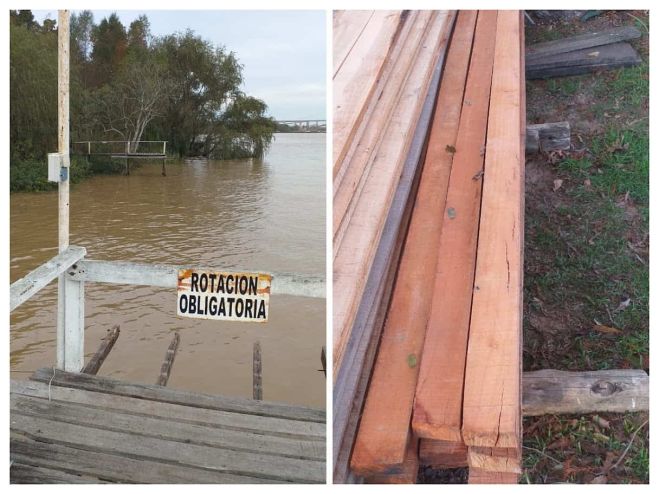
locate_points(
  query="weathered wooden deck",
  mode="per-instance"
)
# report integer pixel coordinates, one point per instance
(79, 428)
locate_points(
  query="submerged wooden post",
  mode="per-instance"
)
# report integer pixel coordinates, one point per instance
(101, 354)
(166, 368)
(70, 294)
(256, 373)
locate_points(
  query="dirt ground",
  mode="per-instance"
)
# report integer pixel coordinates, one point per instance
(586, 290)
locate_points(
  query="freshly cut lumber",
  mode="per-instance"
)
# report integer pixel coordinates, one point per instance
(94, 364)
(554, 391)
(384, 431)
(353, 376)
(345, 32)
(477, 476)
(354, 170)
(355, 253)
(442, 454)
(584, 61)
(540, 51)
(406, 474)
(506, 460)
(492, 398)
(554, 136)
(438, 402)
(354, 81)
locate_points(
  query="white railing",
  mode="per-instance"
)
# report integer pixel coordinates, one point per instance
(75, 270)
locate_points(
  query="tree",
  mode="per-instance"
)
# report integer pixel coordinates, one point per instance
(127, 106)
(110, 45)
(81, 27)
(33, 90)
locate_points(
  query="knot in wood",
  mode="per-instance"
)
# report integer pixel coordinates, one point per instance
(605, 388)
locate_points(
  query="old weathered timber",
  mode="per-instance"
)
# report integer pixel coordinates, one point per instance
(540, 51)
(101, 354)
(168, 363)
(554, 136)
(120, 432)
(257, 386)
(554, 391)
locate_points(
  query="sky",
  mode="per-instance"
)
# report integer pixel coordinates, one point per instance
(282, 52)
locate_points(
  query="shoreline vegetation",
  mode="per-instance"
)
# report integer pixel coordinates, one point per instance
(126, 84)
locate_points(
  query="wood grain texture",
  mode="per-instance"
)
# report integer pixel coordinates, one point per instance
(353, 376)
(359, 158)
(94, 364)
(168, 395)
(541, 51)
(140, 405)
(355, 254)
(114, 468)
(348, 26)
(384, 431)
(354, 82)
(477, 476)
(504, 460)
(492, 401)
(406, 474)
(554, 391)
(438, 401)
(442, 454)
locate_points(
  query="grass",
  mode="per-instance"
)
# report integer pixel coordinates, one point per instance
(586, 260)
(579, 448)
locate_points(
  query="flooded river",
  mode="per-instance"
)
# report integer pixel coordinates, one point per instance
(264, 215)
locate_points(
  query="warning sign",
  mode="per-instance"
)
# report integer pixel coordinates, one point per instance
(223, 296)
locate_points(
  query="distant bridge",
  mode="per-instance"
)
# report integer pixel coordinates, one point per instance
(304, 125)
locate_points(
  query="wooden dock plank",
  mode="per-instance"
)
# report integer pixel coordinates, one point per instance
(116, 468)
(168, 395)
(503, 460)
(20, 473)
(478, 476)
(438, 399)
(346, 31)
(407, 473)
(217, 418)
(141, 447)
(492, 397)
(383, 435)
(173, 430)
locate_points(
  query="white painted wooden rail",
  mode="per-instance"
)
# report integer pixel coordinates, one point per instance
(166, 276)
(26, 287)
(74, 271)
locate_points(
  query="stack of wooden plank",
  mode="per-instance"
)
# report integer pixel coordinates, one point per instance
(386, 72)
(445, 386)
(582, 54)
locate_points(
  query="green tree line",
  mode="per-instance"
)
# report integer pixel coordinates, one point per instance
(129, 85)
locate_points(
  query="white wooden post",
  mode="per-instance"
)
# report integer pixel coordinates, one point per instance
(70, 294)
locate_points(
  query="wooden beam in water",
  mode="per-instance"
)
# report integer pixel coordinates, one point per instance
(257, 386)
(166, 368)
(103, 351)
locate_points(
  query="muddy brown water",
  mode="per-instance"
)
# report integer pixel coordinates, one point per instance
(261, 215)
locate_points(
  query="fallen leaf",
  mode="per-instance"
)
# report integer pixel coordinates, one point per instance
(450, 149)
(594, 54)
(600, 479)
(557, 184)
(587, 183)
(411, 360)
(606, 329)
(560, 443)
